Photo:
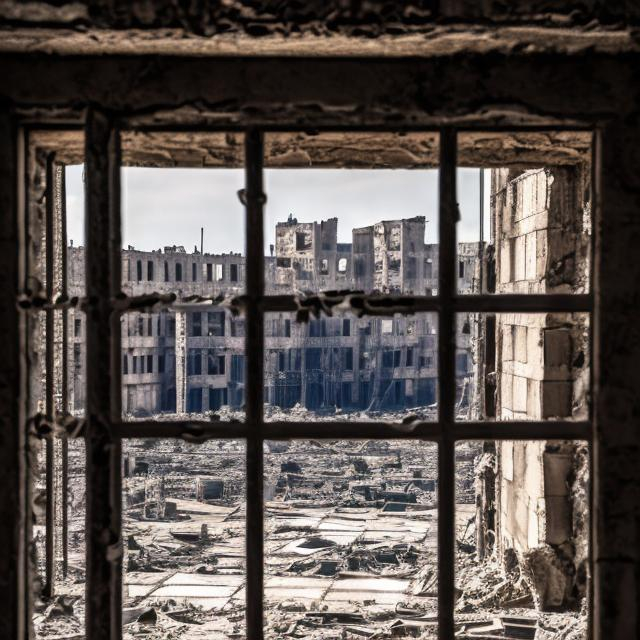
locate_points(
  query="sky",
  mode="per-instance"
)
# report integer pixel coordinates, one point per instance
(163, 207)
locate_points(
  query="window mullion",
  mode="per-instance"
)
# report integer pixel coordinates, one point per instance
(446, 386)
(48, 588)
(103, 531)
(61, 208)
(254, 201)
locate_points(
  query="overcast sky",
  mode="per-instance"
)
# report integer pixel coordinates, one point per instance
(168, 206)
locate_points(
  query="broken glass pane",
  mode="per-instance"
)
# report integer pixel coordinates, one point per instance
(522, 539)
(350, 538)
(346, 367)
(184, 538)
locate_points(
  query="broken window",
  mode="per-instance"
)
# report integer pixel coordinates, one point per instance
(215, 323)
(428, 269)
(237, 328)
(209, 272)
(324, 267)
(194, 272)
(215, 363)
(348, 359)
(149, 270)
(303, 241)
(219, 272)
(342, 265)
(334, 372)
(178, 272)
(194, 362)
(196, 324)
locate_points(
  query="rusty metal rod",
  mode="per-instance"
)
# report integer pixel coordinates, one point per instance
(103, 518)
(50, 560)
(254, 201)
(447, 381)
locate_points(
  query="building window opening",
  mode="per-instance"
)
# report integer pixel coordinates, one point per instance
(360, 372)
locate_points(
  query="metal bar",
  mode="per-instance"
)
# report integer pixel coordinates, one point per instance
(62, 194)
(254, 200)
(366, 305)
(103, 530)
(389, 305)
(50, 569)
(447, 382)
(188, 430)
(481, 228)
(521, 430)
(15, 503)
(489, 430)
(516, 303)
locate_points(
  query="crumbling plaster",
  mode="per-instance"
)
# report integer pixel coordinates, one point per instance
(337, 27)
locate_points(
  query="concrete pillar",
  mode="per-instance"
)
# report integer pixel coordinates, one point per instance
(181, 361)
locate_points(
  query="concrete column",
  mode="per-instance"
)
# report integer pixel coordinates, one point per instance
(181, 361)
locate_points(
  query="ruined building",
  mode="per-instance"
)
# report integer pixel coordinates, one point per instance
(193, 360)
(532, 495)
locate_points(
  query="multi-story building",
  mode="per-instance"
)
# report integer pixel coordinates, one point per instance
(192, 359)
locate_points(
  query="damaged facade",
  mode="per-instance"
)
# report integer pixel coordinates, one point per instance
(192, 361)
(532, 496)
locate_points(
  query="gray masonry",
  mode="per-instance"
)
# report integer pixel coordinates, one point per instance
(192, 360)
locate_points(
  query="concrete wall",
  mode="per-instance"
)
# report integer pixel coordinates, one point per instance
(541, 246)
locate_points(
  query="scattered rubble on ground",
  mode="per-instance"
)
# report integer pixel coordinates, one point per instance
(350, 546)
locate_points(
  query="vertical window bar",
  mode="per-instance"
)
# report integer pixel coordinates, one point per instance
(447, 382)
(14, 500)
(61, 197)
(49, 584)
(254, 200)
(102, 224)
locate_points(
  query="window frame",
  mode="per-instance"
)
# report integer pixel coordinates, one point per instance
(104, 377)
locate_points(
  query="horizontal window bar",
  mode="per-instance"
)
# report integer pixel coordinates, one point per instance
(388, 305)
(359, 303)
(194, 430)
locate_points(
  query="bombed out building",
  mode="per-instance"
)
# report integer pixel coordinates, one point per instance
(192, 360)
(532, 496)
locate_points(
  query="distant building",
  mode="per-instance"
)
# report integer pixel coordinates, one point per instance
(193, 360)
